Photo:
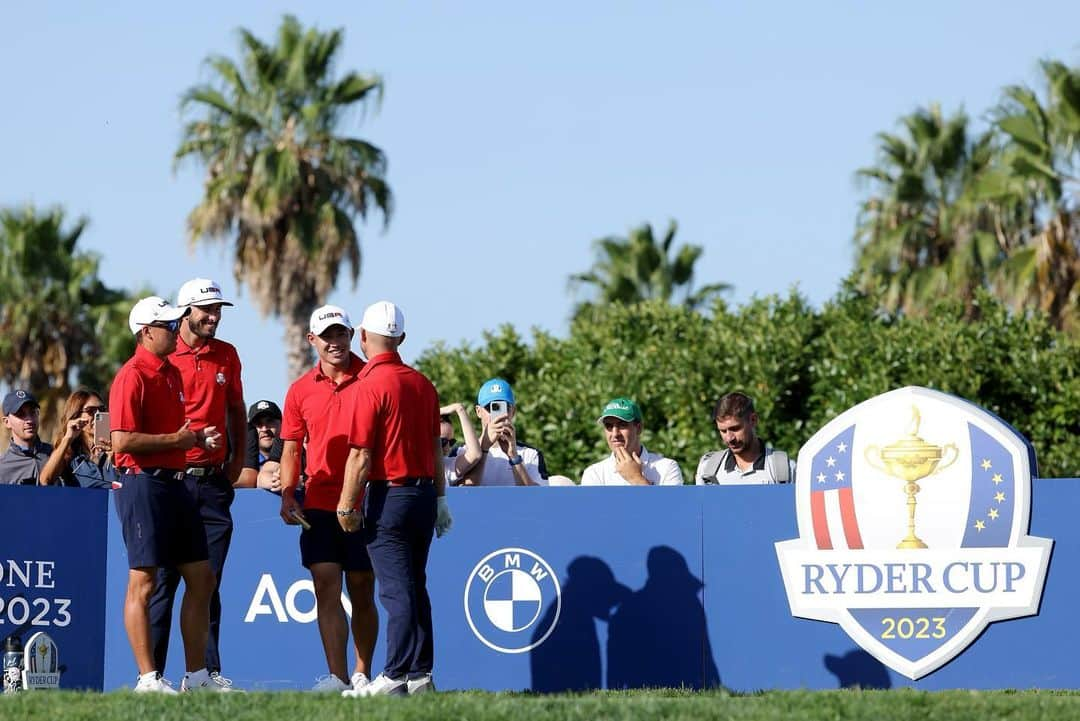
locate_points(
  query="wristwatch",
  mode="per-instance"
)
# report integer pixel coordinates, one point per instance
(346, 514)
(516, 461)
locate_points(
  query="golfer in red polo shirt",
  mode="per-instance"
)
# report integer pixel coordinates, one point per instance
(318, 411)
(213, 396)
(397, 452)
(160, 523)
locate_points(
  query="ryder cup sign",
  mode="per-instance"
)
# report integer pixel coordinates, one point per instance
(913, 512)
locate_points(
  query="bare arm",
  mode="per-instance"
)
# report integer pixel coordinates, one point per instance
(356, 472)
(472, 453)
(61, 455)
(290, 477)
(248, 478)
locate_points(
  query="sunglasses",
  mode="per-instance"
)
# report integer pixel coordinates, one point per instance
(447, 442)
(91, 410)
(172, 326)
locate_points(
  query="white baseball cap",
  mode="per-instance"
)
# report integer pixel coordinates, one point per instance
(200, 291)
(384, 318)
(153, 309)
(326, 316)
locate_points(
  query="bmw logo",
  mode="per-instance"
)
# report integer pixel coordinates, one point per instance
(505, 599)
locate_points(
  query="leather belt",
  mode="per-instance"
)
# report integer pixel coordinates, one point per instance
(411, 482)
(170, 474)
(202, 471)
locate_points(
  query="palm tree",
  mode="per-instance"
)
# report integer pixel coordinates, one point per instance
(279, 181)
(636, 268)
(1036, 184)
(920, 234)
(59, 324)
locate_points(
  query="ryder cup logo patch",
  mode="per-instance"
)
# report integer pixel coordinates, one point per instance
(913, 511)
(506, 597)
(41, 662)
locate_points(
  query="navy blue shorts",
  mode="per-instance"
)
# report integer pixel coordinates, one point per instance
(327, 543)
(160, 521)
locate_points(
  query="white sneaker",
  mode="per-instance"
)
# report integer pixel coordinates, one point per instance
(329, 682)
(201, 681)
(223, 682)
(420, 684)
(360, 681)
(383, 685)
(153, 682)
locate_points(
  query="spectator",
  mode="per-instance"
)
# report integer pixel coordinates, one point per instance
(318, 411)
(80, 456)
(25, 457)
(455, 455)
(503, 460)
(263, 428)
(747, 459)
(630, 463)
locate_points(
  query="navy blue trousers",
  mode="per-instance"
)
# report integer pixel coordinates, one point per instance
(214, 495)
(400, 522)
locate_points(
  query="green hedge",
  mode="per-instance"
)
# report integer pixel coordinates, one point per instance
(801, 365)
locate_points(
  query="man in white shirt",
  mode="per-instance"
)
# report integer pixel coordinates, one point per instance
(630, 463)
(504, 461)
(747, 460)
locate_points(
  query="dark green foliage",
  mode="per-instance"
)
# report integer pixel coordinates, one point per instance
(802, 366)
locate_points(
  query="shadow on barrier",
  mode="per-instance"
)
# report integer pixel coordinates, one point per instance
(657, 635)
(858, 669)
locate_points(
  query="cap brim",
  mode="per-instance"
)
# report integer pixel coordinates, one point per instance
(209, 301)
(600, 420)
(173, 314)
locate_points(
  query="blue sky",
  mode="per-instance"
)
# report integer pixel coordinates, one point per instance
(516, 134)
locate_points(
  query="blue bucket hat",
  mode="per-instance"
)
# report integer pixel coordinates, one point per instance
(496, 389)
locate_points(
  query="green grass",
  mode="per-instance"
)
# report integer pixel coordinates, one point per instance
(477, 706)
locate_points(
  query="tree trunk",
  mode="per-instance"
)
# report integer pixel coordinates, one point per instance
(298, 353)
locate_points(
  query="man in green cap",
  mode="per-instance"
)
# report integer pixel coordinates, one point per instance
(629, 464)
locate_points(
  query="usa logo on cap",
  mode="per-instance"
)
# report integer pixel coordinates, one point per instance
(913, 511)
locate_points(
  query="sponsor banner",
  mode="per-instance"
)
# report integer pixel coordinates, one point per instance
(655, 586)
(52, 580)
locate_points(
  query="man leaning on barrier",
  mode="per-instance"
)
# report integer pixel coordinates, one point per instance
(747, 460)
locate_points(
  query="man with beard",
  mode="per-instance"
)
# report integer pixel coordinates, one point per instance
(213, 396)
(318, 410)
(748, 460)
(264, 427)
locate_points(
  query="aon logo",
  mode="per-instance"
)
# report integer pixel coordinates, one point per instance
(298, 603)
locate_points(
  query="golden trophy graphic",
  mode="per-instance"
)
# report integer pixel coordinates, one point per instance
(911, 459)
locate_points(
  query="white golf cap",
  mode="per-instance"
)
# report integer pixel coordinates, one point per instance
(200, 291)
(326, 316)
(153, 310)
(384, 318)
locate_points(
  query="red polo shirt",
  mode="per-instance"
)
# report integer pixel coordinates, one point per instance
(319, 410)
(147, 396)
(211, 376)
(396, 418)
